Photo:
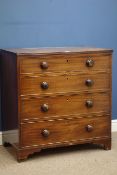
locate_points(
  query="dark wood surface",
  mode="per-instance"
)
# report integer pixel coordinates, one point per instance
(68, 120)
(9, 91)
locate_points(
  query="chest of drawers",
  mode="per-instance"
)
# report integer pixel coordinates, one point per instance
(55, 97)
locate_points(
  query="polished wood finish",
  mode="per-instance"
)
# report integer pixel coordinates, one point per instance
(56, 97)
(63, 130)
(63, 63)
(32, 84)
(58, 50)
(64, 105)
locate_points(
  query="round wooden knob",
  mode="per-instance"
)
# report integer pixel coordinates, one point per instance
(89, 128)
(44, 108)
(44, 65)
(89, 63)
(89, 82)
(44, 85)
(45, 132)
(89, 103)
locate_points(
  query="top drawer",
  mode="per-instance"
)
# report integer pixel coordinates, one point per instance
(58, 63)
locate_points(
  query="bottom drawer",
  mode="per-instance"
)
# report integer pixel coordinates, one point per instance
(65, 130)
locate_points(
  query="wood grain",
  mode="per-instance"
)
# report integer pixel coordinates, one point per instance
(58, 63)
(66, 130)
(68, 121)
(63, 83)
(64, 105)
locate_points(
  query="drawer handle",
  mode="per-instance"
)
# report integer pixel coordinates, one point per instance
(90, 63)
(89, 103)
(44, 108)
(45, 132)
(44, 85)
(89, 128)
(44, 65)
(89, 82)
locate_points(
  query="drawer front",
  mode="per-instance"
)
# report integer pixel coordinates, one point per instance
(62, 83)
(64, 105)
(63, 131)
(58, 63)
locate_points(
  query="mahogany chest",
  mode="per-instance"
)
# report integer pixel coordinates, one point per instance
(54, 97)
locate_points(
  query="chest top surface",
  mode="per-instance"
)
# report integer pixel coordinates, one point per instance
(58, 50)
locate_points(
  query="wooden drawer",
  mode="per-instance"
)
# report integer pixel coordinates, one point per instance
(62, 83)
(58, 63)
(64, 105)
(63, 131)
